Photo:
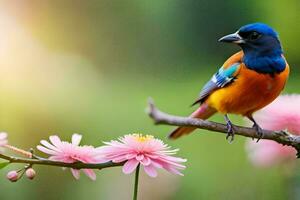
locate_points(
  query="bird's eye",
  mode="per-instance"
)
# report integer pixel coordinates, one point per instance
(254, 35)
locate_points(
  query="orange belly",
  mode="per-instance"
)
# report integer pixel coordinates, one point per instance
(250, 92)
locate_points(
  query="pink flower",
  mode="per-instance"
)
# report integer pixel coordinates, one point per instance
(70, 153)
(147, 151)
(267, 153)
(282, 114)
(3, 139)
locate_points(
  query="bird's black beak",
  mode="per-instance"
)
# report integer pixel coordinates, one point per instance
(232, 38)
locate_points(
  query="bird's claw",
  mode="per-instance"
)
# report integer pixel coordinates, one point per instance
(259, 131)
(230, 132)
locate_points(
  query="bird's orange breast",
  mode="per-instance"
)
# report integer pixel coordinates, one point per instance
(250, 91)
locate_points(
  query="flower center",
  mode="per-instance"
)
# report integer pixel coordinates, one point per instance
(141, 138)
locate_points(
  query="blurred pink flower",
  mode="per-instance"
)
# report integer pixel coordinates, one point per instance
(70, 153)
(267, 153)
(135, 149)
(282, 114)
(3, 139)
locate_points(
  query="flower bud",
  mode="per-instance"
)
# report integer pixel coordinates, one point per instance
(30, 173)
(13, 176)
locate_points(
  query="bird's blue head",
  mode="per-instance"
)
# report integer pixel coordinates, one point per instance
(261, 46)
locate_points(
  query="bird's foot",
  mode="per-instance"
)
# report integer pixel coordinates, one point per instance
(230, 130)
(259, 131)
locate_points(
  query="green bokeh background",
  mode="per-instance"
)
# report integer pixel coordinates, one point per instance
(89, 66)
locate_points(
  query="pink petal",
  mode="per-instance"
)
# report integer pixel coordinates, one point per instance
(156, 164)
(150, 170)
(173, 159)
(140, 157)
(55, 140)
(3, 136)
(76, 173)
(76, 138)
(90, 173)
(130, 166)
(45, 150)
(100, 159)
(62, 159)
(151, 155)
(173, 171)
(146, 161)
(166, 160)
(48, 145)
(131, 155)
(119, 159)
(2, 143)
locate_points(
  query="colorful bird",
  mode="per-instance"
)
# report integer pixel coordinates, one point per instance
(248, 81)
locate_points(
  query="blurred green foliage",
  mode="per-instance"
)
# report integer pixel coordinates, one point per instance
(89, 67)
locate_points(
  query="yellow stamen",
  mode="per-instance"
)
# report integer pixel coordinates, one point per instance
(141, 138)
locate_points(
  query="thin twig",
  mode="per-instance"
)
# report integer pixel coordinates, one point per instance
(77, 165)
(281, 137)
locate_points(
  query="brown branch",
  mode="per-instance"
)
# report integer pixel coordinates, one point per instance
(40, 161)
(281, 137)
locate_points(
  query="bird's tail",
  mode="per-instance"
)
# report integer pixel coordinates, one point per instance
(203, 112)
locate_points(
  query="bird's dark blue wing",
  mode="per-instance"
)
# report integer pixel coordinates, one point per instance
(219, 80)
